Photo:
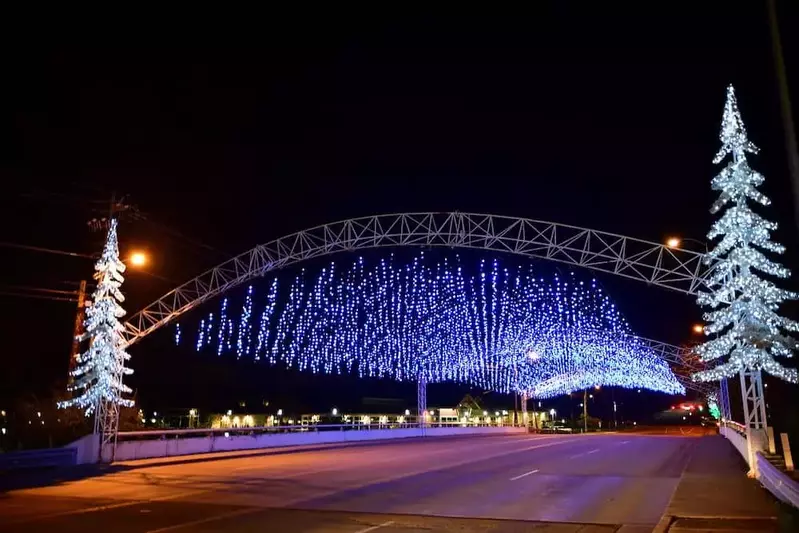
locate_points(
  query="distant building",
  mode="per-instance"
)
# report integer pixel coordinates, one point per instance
(468, 412)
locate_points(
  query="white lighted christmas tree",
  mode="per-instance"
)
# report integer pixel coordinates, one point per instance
(97, 384)
(748, 333)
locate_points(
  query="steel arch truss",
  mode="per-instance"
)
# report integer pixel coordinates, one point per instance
(652, 263)
(683, 362)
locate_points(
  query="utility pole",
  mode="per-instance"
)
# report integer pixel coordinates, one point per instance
(785, 106)
(613, 399)
(585, 410)
(78, 329)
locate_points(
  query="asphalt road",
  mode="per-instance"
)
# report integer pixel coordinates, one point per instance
(498, 483)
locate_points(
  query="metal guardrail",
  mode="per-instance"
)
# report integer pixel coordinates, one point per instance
(156, 434)
(782, 486)
(51, 457)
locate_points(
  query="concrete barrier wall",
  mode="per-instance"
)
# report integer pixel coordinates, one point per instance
(737, 440)
(146, 449)
(87, 448)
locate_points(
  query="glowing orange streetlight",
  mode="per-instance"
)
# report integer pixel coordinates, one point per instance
(698, 328)
(673, 242)
(138, 259)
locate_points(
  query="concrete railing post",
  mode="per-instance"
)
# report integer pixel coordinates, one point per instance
(786, 451)
(772, 445)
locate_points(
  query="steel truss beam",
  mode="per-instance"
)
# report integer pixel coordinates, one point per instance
(653, 263)
(683, 362)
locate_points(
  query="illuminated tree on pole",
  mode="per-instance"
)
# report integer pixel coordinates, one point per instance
(98, 376)
(750, 333)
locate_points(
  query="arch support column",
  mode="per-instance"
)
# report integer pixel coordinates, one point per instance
(421, 404)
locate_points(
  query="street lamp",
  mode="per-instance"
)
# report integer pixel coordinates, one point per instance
(676, 242)
(138, 259)
(698, 329)
(335, 412)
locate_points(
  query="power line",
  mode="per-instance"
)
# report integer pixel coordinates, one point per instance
(188, 240)
(38, 296)
(46, 250)
(37, 289)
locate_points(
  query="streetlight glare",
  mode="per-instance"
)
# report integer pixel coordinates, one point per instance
(138, 259)
(698, 328)
(673, 242)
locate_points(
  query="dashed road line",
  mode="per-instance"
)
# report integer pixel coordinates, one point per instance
(523, 475)
(584, 453)
(373, 528)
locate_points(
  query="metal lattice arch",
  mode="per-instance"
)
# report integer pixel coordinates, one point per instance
(653, 263)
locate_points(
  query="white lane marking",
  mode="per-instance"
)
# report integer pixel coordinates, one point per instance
(523, 475)
(372, 528)
(222, 516)
(584, 453)
(625, 442)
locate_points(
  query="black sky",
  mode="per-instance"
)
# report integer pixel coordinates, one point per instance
(601, 118)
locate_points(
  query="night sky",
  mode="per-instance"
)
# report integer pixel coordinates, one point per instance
(600, 119)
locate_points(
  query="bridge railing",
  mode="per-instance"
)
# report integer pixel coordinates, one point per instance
(132, 445)
(736, 434)
(160, 434)
(733, 425)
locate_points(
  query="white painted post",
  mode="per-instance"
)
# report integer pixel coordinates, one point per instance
(786, 450)
(772, 445)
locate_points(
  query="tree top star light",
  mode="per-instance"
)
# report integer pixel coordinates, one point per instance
(98, 376)
(744, 304)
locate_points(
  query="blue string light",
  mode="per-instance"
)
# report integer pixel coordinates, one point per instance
(498, 329)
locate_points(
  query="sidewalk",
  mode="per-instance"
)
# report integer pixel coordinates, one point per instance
(714, 487)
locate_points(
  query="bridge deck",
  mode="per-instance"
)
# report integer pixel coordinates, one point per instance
(573, 483)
